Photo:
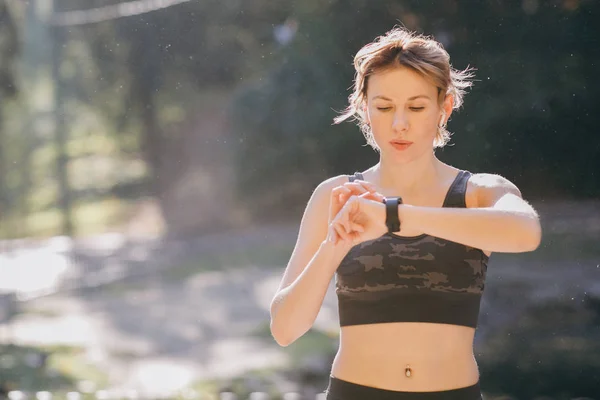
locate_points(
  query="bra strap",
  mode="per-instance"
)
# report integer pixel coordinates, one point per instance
(456, 193)
(357, 175)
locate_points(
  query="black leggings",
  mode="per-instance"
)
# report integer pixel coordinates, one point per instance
(344, 390)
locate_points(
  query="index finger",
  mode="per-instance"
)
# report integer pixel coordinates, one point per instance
(366, 184)
(360, 186)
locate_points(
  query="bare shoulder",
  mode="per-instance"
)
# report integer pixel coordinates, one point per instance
(492, 181)
(316, 211)
(323, 189)
(330, 183)
(485, 189)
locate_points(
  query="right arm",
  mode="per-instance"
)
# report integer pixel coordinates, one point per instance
(310, 269)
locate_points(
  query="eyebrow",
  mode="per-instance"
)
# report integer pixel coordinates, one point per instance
(410, 98)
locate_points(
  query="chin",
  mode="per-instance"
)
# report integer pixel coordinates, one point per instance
(400, 158)
(407, 156)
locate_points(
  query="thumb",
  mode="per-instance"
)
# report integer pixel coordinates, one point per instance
(372, 196)
(378, 197)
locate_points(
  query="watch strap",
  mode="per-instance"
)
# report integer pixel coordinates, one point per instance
(391, 213)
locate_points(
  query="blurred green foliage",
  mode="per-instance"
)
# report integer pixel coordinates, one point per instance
(528, 117)
(552, 350)
(50, 368)
(129, 86)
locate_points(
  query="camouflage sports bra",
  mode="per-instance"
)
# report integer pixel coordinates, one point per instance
(413, 279)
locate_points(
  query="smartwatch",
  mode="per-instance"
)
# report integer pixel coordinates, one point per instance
(391, 213)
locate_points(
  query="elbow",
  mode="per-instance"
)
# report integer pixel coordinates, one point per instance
(282, 337)
(286, 332)
(533, 237)
(279, 332)
(286, 328)
(283, 343)
(537, 237)
(279, 337)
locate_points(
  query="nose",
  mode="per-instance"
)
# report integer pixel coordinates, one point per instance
(400, 122)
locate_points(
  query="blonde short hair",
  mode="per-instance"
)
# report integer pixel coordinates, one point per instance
(402, 48)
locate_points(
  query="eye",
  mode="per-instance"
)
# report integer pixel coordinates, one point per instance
(384, 108)
(417, 108)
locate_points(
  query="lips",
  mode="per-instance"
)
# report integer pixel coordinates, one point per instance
(401, 144)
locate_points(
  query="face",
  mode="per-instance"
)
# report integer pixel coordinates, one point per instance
(404, 114)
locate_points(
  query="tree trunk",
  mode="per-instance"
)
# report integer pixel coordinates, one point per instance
(61, 131)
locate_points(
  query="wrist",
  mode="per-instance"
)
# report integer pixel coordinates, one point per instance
(335, 251)
(405, 215)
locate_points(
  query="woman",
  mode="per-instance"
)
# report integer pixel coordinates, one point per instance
(408, 240)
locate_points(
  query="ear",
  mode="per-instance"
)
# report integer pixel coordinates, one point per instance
(447, 108)
(365, 113)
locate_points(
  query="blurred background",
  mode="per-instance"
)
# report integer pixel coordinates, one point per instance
(156, 157)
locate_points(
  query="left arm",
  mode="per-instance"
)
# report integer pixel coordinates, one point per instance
(501, 221)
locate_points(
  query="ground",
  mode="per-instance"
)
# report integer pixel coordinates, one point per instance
(179, 312)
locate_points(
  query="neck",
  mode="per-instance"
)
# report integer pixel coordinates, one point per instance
(411, 177)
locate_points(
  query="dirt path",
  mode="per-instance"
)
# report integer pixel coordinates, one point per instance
(155, 336)
(164, 336)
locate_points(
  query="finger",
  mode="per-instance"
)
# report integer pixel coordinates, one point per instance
(357, 237)
(341, 232)
(349, 206)
(347, 235)
(345, 194)
(357, 228)
(347, 213)
(367, 196)
(346, 222)
(360, 188)
(337, 191)
(378, 196)
(356, 187)
(341, 188)
(375, 196)
(367, 185)
(352, 208)
(331, 234)
(341, 219)
(340, 194)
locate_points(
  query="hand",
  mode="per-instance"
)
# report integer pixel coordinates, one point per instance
(360, 219)
(341, 194)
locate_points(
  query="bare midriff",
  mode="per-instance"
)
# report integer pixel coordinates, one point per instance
(439, 356)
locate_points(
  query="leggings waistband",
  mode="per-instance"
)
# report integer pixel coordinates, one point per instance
(339, 389)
